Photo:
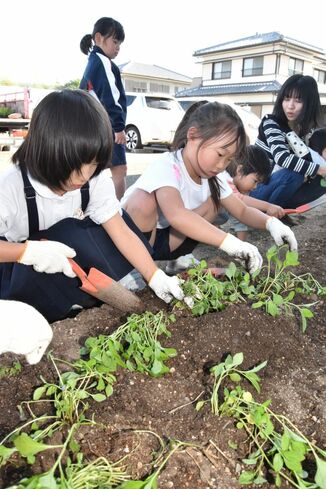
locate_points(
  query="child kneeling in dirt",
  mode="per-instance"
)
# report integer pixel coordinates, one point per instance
(57, 202)
(244, 177)
(176, 199)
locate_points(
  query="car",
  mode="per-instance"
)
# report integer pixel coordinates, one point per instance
(151, 119)
(249, 119)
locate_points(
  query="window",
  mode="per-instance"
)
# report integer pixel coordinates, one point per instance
(295, 66)
(253, 66)
(135, 85)
(159, 87)
(221, 70)
(320, 76)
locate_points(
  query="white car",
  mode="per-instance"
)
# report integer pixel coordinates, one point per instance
(151, 119)
(249, 119)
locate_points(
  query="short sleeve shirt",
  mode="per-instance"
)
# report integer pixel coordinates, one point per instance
(170, 171)
(52, 207)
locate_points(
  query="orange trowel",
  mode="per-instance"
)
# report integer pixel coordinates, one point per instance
(307, 207)
(106, 289)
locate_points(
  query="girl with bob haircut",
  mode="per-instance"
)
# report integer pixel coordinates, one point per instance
(177, 198)
(296, 172)
(57, 201)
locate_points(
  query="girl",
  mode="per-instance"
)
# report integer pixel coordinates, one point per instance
(295, 179)
(177, 197)
(59, 178)
(102, 78)
(245, 177)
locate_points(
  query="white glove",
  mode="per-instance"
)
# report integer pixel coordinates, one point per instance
(48, 256)
(247, 253)
(281, 233)
(166, 287)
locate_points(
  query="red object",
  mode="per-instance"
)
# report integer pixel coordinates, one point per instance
(307, 207)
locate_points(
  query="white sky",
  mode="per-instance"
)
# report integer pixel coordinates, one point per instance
(39, 40)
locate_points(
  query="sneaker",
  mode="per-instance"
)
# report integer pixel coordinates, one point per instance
(181, 263)
(133, 281)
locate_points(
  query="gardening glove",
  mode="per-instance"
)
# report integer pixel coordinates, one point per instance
(166, 287)
(247, 253)
(281, 233)
(48, 257)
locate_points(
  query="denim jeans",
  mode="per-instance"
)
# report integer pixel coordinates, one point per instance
(282, 185)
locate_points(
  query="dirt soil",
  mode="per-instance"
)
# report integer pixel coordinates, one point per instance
(142, 406)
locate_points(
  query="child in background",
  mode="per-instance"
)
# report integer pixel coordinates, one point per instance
(317, 142)
(58, 184)
(176, 199)
(243, 178)
(103, 80)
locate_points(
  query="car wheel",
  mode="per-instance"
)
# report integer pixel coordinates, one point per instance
(133, 140)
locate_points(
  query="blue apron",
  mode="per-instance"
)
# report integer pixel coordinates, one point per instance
(54, 294)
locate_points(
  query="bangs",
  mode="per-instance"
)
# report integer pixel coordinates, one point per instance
(293, 92)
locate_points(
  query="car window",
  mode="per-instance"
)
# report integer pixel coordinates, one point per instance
(159, 103)
(130, 99)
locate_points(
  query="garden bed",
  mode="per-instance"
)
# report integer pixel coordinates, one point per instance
(145, 415)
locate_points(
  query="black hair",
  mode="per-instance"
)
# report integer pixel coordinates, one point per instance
(256, 161)
(305, 88)
(212, 120)
(68, 129)
(317, 140)
(107, 27)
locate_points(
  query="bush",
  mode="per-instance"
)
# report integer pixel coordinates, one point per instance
(5, 111)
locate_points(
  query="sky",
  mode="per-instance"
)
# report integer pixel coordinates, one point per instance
(39, 40)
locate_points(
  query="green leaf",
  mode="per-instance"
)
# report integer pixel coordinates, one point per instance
(5, 453)
(99, 397)
(258, 304)
(306, 313)
(27, 446)
(320, 477)
(272, 309)
(277, 462)
(132, 485)
(235, 377)
(47, 481)
(237, 359)
(38, 393)
(277, 299)
(157, 368)
(199, 405)
(247, 477)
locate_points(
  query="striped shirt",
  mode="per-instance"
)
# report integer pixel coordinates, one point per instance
(272, 138)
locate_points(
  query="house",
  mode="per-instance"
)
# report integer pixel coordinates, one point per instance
(252, 69)
(140, 77)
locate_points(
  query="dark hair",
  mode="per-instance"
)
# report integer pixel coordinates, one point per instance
(256, 161)
(107, 27)
(212, 120)
(68, 129)
(317, 140)
(305, 88)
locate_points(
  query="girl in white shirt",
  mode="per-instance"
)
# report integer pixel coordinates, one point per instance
(58, 190)
(177, 198)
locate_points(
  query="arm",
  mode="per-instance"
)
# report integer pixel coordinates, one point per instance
(193, 225)
(278, 146)
(104, 85)
(257, 219)
(11, 252)
(130, 246)
(44, 256)
(262, 205)
(186, 221)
